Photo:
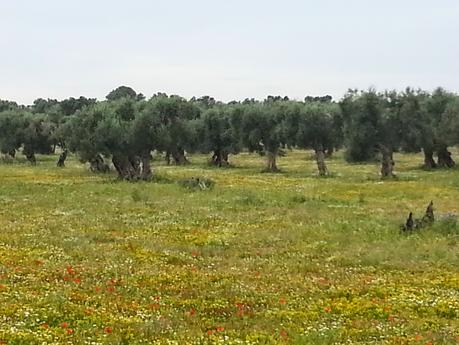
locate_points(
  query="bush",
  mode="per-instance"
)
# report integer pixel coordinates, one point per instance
(200, 183)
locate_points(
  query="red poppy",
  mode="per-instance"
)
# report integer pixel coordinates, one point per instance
(114, 282)
(282, 301)
(108, 330)
(210, 331)
(69, 331)
(64, 324)
(328, 309)
(77, 281)
(70, 270)
(154, 306)
(283, 334)
(220, 329)
(45, 326)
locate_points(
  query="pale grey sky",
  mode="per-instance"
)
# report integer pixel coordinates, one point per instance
(229, 49)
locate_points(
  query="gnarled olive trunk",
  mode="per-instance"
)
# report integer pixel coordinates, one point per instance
(444, 157)
(133, 168)
(320, 159)
(168, 158)
(329, 152)
(136, 164)
(179, 156)
(126, 167)
(220, 158)
(271, 162)
(12, 153)
(62, 158)
(387, 162)
(146, 173)
(31, 157)
(97, 164)
(429, 162)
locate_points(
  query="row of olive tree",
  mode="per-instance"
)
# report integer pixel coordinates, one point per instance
(410, 121)
(126, 128)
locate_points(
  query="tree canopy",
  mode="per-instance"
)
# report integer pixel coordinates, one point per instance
(126, 128)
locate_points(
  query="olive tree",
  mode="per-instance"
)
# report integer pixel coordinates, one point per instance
(371, 126)
(317, 131)
(260, 129)
(215, 134)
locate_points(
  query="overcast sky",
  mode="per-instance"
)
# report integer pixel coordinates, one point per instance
(229, 49)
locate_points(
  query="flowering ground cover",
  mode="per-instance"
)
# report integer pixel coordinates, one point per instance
(260, 258)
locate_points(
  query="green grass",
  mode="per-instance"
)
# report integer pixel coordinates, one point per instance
(257, 259)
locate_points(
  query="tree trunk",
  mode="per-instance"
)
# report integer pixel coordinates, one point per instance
(125, 168)
(429, 162)
(444, 157)
(387, 162)
(320, 159)
(98, 165)
(31, 158)
(220, 158)
(168, 158)
(62, 158)
(12, 153)
(271, 158)
(179, 156)
(329, 152)
(146, 174)
(136, 164)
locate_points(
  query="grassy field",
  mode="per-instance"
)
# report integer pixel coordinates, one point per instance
(259, 259)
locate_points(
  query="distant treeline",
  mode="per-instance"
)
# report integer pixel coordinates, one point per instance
(126, 128)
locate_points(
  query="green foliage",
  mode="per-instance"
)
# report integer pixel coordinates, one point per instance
(176, 114)
(317, 126)
(128, 128)
(37, 134)
(71, 105)
(32, 132)
(42, 106)
(415, 130)
(7, 105)
(261, 129)
(12, 123)
(122, 92)
(362, 114)
(215, 133)
(449, 124)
